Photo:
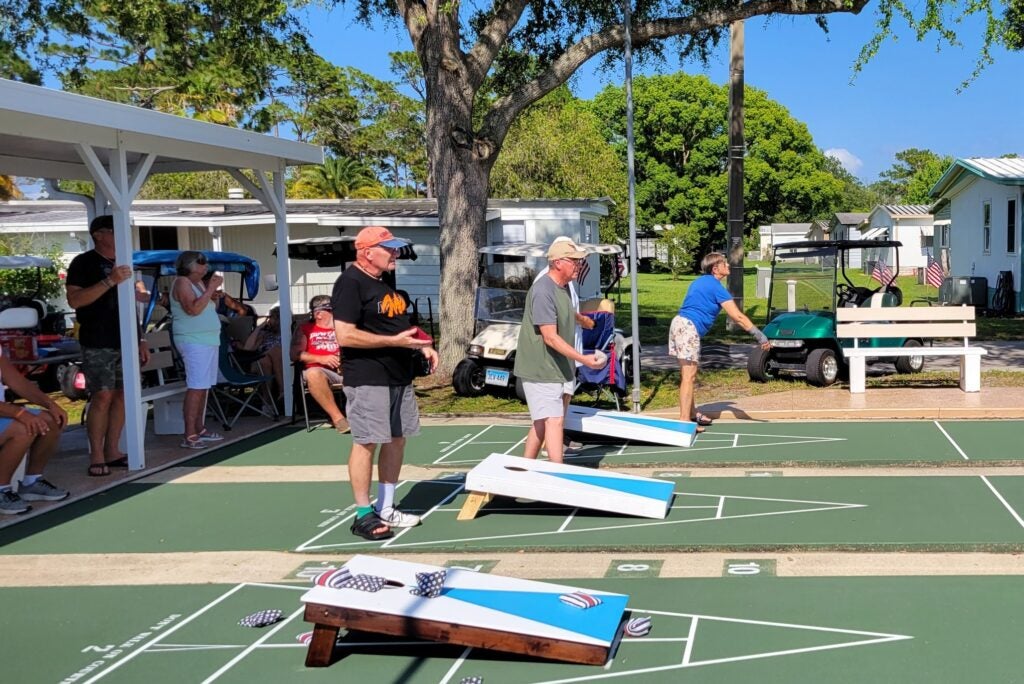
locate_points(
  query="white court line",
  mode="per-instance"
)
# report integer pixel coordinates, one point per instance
(568, 520)
(455, 490)
(720, 508)
(605, 528)
(1003, 501)
(736, 440)
(691, 638)
(163, 635)
(455, 666)
(252, 647)
(955, 445)
(468, 441)
(874, 638)
(516, 445)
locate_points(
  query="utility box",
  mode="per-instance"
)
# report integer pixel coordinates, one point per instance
(969, 290)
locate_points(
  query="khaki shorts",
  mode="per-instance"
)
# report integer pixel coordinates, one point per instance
(683, 340)
(544, 399)
(379, 413)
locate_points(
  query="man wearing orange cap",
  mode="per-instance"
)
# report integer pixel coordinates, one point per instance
(379, 345)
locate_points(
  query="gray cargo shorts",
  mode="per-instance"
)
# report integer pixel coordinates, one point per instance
(102, 369)
(379, 413)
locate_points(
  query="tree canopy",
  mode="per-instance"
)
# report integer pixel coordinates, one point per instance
(681, 133)
(910, 177)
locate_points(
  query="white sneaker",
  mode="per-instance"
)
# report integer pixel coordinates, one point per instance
(207, 436)
(396, 518)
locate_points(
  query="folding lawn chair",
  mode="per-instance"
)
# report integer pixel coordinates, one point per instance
(239, 390)
(609, 381)
(319, 417)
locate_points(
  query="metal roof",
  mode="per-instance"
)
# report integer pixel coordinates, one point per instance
(1009, 171)
(846, 218)
(906, 210)
(41, 129)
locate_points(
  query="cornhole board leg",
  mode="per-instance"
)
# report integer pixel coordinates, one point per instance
(321, 647)
(329, 619)
(474, 502)
(630, 427)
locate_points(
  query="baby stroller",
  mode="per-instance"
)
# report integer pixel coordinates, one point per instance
(608, 382)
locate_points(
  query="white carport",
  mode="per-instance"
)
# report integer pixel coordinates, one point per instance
(53, 134)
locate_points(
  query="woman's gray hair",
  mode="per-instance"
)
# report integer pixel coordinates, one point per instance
(186, 260)
(707, 264)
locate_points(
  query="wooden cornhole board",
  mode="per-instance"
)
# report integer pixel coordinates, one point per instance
(568, 485)
(474, 609)
(630, 427)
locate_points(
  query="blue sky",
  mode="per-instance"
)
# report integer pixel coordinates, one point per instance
(906, 97)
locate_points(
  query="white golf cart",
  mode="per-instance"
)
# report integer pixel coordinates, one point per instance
(505, 274)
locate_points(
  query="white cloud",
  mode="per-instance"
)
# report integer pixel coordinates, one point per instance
(849, 160)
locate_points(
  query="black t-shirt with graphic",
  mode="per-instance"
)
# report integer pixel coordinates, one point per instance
(371, 305)
(98, 322)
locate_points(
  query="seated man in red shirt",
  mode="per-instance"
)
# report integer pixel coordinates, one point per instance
(315, 345)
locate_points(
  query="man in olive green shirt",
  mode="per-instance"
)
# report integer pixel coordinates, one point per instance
(545, 353)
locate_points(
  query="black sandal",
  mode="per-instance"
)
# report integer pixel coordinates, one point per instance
(367, 527)
(98, 470)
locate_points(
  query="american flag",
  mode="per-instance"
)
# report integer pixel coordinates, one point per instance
(933, 275)
(881, 272)
(584, 270)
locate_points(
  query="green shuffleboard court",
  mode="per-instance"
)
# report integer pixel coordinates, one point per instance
(842, 630)
(948, 513)
(837, 443)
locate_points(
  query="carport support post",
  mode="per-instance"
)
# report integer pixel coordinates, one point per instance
(270, 193)
(120, 189)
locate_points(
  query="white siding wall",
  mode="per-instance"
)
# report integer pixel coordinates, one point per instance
(966, 253)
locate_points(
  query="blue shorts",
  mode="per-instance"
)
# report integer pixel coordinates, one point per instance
(6, 422)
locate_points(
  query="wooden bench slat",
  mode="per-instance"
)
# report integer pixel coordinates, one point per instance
(904, 313)
(913, 351)
(924, 330)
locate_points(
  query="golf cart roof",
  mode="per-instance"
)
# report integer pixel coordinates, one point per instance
(538, 249)
(25, 262)
(840, 244)
(162, 261)
(333, 250)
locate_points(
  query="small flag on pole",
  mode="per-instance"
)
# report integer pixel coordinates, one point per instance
(933, 275)
(584, 270)
(881, 272)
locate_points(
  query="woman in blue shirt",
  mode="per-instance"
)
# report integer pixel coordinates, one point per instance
(704, 299)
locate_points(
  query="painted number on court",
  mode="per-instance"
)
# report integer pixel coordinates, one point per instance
(762, 567)
(312, 569)
(634, 568)
(671, 474)
(474, 565)
(763, 473)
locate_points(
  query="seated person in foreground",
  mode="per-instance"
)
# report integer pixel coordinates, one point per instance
(316, 346)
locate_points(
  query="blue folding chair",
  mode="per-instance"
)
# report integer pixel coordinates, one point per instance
(239, 390)
(609, 381)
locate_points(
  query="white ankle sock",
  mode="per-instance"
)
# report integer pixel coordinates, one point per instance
(385, 495)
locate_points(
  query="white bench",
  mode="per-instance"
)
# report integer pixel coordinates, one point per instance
(167, 415)
(925, 323)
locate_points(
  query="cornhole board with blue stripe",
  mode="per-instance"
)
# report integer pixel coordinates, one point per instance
(631, 427)
(474, 609)
(569, 485)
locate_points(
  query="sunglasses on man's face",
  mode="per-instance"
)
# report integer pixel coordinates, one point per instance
(201, 261)
(323, 308)
(103, 230)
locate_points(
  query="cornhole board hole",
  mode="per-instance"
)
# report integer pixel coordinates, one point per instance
(568, 485)
(630, 427)
(474, 609)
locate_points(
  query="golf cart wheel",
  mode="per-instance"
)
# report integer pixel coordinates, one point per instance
(909, 364)
(822, 367)
(758, 365)
(520, 392)
(468, 379)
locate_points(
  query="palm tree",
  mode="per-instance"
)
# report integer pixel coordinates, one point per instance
(340, 177)
(9, 189)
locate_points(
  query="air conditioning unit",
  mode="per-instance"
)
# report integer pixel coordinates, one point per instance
(969, 290)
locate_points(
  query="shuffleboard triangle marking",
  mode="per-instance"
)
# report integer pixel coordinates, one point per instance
(599, 622)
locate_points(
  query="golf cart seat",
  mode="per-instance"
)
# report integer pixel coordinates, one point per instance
(19, 317)
(610, 380)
